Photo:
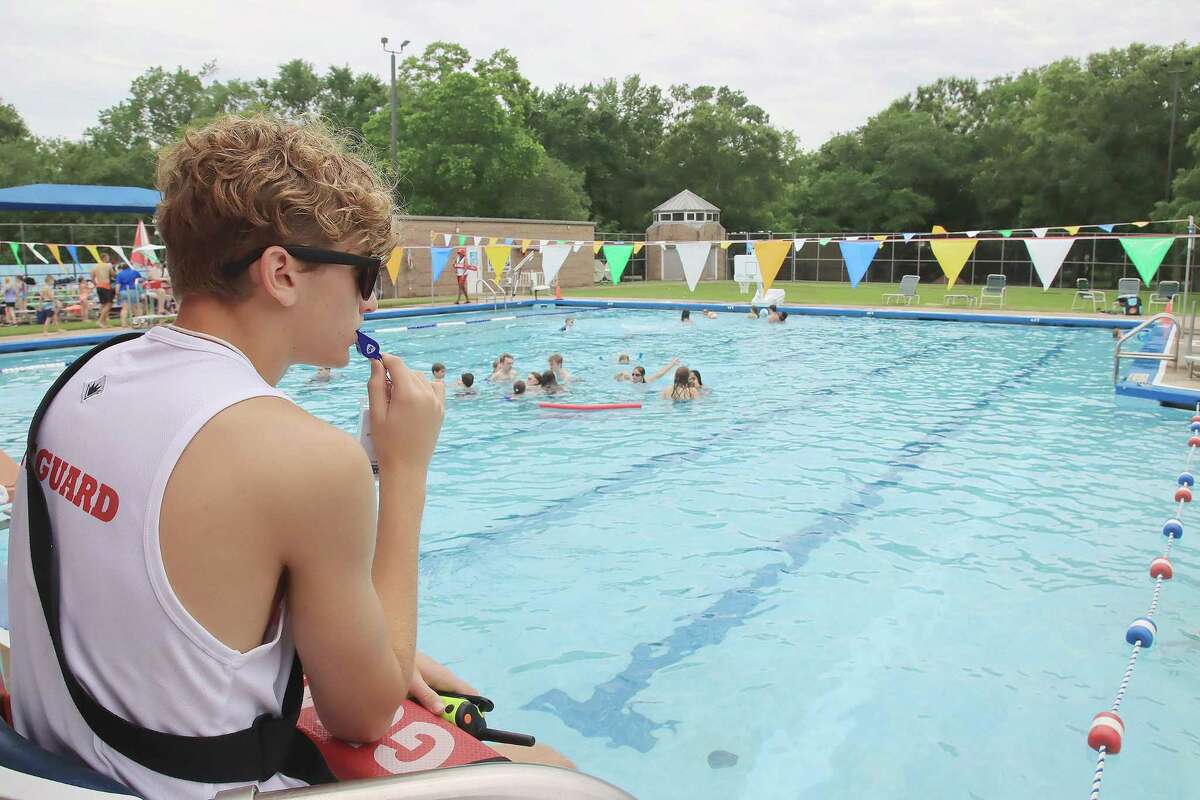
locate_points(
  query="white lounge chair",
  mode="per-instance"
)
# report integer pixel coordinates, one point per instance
(1164, 294)
(771, 297)
(907, 293)
(994, 290)
(1084, 293)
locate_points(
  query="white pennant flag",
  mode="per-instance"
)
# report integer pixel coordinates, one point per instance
(575, 246)
(543, 242)
(553, 256)
(121, 252)
(798, 243)
(33, 250)
(1047, 256)
(478, 240)
(1039, 232)
(853, 238)
(693, 256)
(972, 234)
(446, 239)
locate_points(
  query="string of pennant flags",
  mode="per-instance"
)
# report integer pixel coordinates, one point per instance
(142, 252)
(951, 249)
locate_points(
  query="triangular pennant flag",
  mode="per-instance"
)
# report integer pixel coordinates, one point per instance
(1141, 223)
(74, 252)
(478, 240)
(725, 244)
(1007, 232)
(497, 256)
(462, 239)
(54, 252)
(508, 242)
(438, 256)
(1106, 227)
(119, 251)
(1047, 256)
(544, 242)
(951, 255)
(972, 234)
(39, 256)
(938, 229)
(91, 248)
(798, 243)
(693, 256)
(446, 239)
(750, 248)
(140, 239)
(596, 247)
(853, 238)
(553, 256)
(525, 243)
(637, 247)
(1147, 254)
(770, 255)
(858, 256)
(824, 241)
(880, 238)
(16, 248)
(575, 246)
(1040, 232)
(393, 263)
(907, 236)
(1071, 229)
(617, 256)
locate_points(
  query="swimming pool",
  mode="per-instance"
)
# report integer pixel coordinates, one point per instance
(882, 559)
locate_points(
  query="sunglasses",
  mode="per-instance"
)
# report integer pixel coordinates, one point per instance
(368, 266)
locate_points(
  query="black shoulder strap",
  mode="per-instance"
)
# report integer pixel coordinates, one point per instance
(270, 745)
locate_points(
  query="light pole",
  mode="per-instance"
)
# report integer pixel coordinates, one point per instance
(384, 41)
(1174, 71)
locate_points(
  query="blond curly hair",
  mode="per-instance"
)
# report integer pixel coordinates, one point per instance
(241, 183)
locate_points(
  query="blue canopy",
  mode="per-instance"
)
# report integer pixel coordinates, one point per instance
(69, 197)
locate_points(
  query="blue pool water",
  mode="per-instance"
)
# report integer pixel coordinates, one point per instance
(881, 559)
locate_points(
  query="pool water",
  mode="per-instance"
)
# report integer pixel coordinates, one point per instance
(880, 559)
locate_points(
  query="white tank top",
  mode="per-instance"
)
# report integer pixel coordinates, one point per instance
(107, 447)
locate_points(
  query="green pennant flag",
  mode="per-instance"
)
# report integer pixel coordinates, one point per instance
(462, 240)
(824, 241)
(617, 256)
(16, 248)
(1147, 254)
(1005, 233)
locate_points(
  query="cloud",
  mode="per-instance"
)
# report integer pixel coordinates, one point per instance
(815, 67)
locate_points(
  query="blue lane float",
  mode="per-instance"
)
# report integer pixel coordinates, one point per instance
(1107, 731)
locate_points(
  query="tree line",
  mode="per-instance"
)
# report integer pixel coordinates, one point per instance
(1074, 141)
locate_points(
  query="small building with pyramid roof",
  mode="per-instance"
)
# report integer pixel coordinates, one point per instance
(686, 217)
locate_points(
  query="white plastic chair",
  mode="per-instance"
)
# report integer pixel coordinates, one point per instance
(907, 293)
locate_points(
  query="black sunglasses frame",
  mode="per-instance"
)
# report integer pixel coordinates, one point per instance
(368, 267)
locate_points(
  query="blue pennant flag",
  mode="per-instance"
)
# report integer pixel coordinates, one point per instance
(908, 236)
(438, 256)
(1106, 228)
(74, 254)
(858, 256)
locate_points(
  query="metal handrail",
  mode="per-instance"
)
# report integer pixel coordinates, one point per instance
(495, 291)
(1118, 355)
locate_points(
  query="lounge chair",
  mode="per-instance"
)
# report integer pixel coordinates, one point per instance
(994, 290)
(907, 292)
(1164, 294)
(537, 283)
(1086, 294)
(600, 272)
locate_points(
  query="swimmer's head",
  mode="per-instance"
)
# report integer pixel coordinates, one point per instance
(638, 375)
(555, 360)
(695, 381)
(548, 379)
(519, 387)
(505, 360)
(682, 376)
(468, 380)
(772, 307)
(623, 358)
(438, 370)
(534, 379)
(782, 316)
(685, 315)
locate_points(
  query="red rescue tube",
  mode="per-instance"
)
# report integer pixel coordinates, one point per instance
(589, 406)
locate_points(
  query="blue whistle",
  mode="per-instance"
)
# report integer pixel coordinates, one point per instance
(368, 347)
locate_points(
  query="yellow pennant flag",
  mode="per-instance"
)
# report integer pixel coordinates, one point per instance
(393, 263)
(54, 252)
(952, 254)
(525, 244)
(497, 256)
(938, 229)
(1142, 223)
(637, 247)
(91, 248)
(881, 237)
(770, 255)
(725, 244)
(1071, 229)
(596, 248)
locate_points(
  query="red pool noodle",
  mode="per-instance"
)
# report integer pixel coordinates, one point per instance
(589, 406)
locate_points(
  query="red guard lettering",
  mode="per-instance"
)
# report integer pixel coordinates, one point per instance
(42, 464)
(79, 488)
(106, 504)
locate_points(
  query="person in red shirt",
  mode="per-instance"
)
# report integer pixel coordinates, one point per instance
(461, 268)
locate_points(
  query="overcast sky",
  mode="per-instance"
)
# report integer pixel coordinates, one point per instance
(816, 67)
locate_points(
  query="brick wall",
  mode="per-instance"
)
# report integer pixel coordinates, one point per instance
(683, 232)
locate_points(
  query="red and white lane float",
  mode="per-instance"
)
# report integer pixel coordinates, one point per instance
(1107, 730)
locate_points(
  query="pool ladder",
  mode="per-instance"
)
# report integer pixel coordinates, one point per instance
(1171, 355)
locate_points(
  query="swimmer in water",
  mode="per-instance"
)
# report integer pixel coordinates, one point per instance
(638, 373)
(682, 388)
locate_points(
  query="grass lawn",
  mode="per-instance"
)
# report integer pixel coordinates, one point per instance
(1019, 298)
(26, 330)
